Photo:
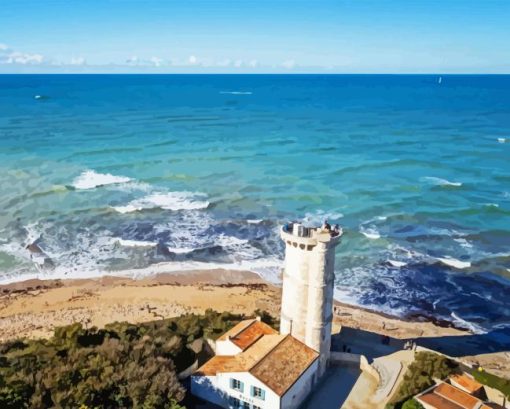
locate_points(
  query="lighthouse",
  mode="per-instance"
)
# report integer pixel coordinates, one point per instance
(308, 282)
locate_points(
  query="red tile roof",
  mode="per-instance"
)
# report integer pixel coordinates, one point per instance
(276, 360)
(463, 399)
(247, 332)
(437, 401)
(467, 383)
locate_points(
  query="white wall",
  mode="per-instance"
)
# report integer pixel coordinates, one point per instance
(301, 389)
(295, 291)
(271, 401)
(226, 347)
(205, 387)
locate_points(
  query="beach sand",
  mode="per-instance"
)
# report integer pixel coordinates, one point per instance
(34, 308)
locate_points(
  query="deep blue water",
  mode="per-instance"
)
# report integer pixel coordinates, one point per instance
(108, 173)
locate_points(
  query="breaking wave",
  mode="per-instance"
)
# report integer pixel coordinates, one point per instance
(236, 92)
(136, 243)
(452, 262)
(167, 201)
(90, 179)
(370, 233)
(440, 182)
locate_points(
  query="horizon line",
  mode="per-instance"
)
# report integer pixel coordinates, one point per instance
(257, 73)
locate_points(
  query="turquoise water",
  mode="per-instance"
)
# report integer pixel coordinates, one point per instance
(119, 174)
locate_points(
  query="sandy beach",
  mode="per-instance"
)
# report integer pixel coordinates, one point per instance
(34, 308)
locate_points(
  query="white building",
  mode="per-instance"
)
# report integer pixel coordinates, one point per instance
(256, 367)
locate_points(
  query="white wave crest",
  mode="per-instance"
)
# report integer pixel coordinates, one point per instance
(502, 140)
(370, 233)
(168, 201)
(136, 243)
(440, 182)
(453, 262)
(396, 263)
(236, 92)
(181, 250)
(472, 327)
(90, 179)
(254, 221)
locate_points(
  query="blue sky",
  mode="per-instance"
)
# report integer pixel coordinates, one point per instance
(342, 36)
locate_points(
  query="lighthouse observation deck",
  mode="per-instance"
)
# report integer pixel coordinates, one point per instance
(299, 235)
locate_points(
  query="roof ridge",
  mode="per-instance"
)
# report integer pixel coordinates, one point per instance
(252, 321)
(462, 392)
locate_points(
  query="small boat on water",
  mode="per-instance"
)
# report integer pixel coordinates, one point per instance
(440, 80)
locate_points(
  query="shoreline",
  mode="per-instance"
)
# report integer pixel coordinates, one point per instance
(221, 278)
(213, 277)
(34, 308)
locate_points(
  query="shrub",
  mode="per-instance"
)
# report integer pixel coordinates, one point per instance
(420, 375)
(120, 366)
(412, 404)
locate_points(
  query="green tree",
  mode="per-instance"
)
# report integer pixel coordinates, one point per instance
(412, 404)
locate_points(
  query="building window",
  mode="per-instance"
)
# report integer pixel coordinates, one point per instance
(236, 384)
(258, 393)
(234, 402)
(256, 407)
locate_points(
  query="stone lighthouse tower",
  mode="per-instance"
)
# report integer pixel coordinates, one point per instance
(307, 295)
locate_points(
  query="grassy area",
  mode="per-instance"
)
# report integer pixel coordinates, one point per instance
(493, 381)
(120, 366)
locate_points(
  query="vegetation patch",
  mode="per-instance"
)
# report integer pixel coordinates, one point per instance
(493, 381)
(412, 404)
(120, 366)
(420, 375)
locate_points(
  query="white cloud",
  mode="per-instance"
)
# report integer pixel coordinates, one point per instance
(78, 61)
(10, 56)
(289, 64)
(192, 59)
(253, 63)
(153, 61)
(224, 63)
(157, 61)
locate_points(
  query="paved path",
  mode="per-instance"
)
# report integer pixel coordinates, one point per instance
(334, 389)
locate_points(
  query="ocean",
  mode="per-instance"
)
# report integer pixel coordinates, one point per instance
(137, 174)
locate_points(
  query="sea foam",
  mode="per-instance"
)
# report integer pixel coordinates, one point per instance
(452, 262)
(167, 201)
(236, 92)
(475, 329)
(90, 179)
(396, 263)
(136, 243)
(440, 182)
(370, 233)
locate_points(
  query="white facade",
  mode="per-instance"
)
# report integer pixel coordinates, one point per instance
(307, 294)
(227, 347)
(301, 389)
(217, 389)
